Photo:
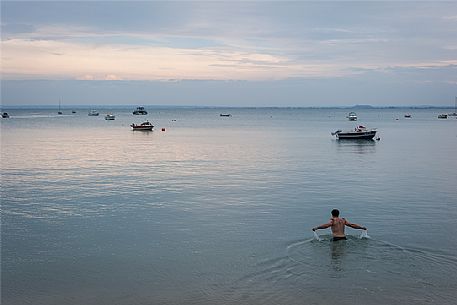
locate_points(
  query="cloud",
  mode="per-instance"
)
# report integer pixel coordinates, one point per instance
(57, 59)
(61, 59)
(248, 41)
(17, 28)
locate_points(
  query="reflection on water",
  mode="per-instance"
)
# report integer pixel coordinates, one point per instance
(337, 252)
(356, 146)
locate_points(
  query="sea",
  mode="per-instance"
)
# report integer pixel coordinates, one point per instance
(212, 210)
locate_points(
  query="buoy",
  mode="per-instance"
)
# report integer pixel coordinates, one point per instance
(163, 129)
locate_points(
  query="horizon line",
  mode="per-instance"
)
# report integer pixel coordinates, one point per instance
(83, 106)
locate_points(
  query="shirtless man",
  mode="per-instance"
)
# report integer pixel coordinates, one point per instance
(338, 225)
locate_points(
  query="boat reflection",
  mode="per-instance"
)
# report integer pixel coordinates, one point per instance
(358, 146)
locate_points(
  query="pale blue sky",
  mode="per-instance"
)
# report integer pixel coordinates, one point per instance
(239, 53)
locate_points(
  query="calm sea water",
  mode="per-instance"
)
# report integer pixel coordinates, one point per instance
(218, 210)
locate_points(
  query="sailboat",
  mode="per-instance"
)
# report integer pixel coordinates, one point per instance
(455, 109)
(59, 112)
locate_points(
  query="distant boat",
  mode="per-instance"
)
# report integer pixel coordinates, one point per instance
(225, 114)
(60, 111)
(5, 115)
(110, 117)
(442, 116)
(93, 113)
(140, 111)
(73, 111)
(352, 116)
(408, 116)
(360, 132)
(455, 109)
(145, 126)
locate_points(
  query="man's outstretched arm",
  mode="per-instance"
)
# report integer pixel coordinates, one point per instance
(324, 226)
(354, 225)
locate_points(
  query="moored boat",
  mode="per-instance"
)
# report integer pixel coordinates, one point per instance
(408, 116)
(5, 115)
(225, 114)
(360, 132)
(352, 116)
(145, 126)
(110, 117)
(442, 116)
(93, 113)
(140, 111)
(60, 111)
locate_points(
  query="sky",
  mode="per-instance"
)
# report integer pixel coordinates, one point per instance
(239, 53)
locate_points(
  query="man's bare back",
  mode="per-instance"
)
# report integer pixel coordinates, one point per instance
(338, 225)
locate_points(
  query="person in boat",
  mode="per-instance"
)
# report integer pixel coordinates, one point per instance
(338, 224)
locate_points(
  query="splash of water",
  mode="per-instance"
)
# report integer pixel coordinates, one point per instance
(364, 234)
(316, 237)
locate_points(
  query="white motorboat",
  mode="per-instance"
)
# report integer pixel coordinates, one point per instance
(352, 116)
(145, 126)
(110, 117)
(360, 132)
(93, 113)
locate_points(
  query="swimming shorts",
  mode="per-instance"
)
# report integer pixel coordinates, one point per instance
(335, 238)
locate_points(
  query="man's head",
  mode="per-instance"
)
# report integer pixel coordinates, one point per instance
(335, 213)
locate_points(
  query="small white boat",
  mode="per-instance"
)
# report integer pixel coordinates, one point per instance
(360, 132)
(408, 116)
(145, 126)
(110, 117)
(140, 111)
(352, 116)
(93, 113)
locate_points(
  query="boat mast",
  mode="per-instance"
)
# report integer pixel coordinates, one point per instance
(60, 111)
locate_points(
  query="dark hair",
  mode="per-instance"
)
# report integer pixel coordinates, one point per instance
(335, 213)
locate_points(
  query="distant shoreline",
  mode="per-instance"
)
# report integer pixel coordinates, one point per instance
(361, 107)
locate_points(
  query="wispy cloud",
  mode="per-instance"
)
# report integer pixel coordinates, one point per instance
(224, 41)
(57, 59)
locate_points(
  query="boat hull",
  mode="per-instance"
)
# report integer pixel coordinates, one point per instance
(142, 128)
(364, 135)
